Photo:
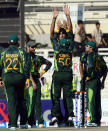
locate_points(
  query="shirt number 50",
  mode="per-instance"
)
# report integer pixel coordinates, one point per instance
(64, 61)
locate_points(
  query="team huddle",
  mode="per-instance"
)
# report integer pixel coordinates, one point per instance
(19, 70)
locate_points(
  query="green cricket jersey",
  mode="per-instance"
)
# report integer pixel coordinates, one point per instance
(36, 63)
(94, 65)
(14, 60)
(63, 54)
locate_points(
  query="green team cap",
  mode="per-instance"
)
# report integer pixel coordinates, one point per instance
(91, 43)
(64, 42)
(31, 43)
(13, 39)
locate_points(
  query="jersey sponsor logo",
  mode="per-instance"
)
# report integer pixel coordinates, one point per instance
(12, 55)
(64, 55)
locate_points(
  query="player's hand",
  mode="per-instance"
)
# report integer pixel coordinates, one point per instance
(66, 10)
(59, 24)
(55, 12)
(41, 74)
(1, 83)
(34, 86)
(106, 44)
(65, 24)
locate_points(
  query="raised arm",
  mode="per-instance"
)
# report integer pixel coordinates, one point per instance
(59, 25)
(67, 13)
(55, 14)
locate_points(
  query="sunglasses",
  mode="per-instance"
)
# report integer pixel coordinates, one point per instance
(33, 46)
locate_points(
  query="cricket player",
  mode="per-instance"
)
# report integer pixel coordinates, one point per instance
(36, 63)
(14, 73)
(93, 71)
(62, 77)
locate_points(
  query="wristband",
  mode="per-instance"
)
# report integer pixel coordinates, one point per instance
(27, 80)
(43, 71)
(57, 30)
(87, 78)
(67, 30)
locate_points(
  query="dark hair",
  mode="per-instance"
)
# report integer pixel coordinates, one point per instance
(63, 31)
(89, 35)
(80, 22)
(97, 23)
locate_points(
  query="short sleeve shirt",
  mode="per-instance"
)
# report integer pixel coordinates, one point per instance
(98, 36)
(79, 38)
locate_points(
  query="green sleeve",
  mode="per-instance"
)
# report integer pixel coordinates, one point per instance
(103, 64)
(46, 62)
(81, 58)
(54, 39)
(27, 63)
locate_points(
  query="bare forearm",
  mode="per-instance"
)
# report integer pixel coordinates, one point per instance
(69, 23)
(93, 37)
(81, 69)
(80, 31)
(104, 42)
(52, 27)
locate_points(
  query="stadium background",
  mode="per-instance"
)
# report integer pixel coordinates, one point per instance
(32, 20)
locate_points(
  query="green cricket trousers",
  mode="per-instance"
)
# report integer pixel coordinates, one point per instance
(94, 100)
(35, 109)
(14, 85)
(62, 80)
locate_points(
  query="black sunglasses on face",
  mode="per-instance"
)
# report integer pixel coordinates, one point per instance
(33, 46)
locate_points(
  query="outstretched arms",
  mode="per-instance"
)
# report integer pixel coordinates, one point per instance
(55, 14)
(67, 13)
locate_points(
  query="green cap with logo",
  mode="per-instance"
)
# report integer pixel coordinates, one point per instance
(91, 43)
(64, 42)
(13, 38)
(31, 43)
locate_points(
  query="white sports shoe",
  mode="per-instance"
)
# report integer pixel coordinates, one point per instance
(70, 118)
(70, 121)
(53, 121)
(12, 128)
(41, 126)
